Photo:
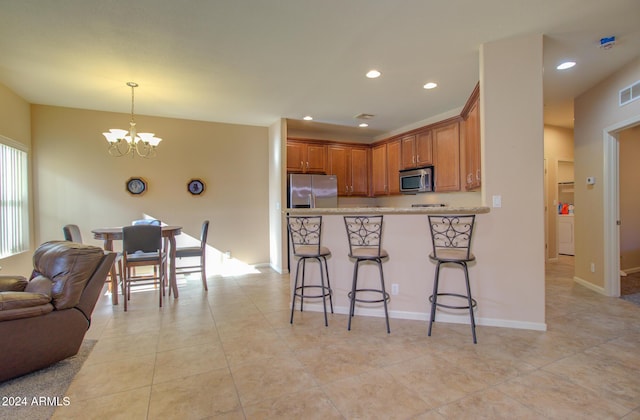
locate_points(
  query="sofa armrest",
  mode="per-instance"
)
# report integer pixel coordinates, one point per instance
(13, 283)
(26, 312)
(14, 305)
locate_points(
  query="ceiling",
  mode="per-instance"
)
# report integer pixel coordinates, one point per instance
(255, 61)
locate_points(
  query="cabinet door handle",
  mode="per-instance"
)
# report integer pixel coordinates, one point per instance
(301, 164)
(307, 165)
(478, 174)
(417, 158)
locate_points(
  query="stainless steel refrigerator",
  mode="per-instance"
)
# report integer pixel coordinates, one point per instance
(312, 191)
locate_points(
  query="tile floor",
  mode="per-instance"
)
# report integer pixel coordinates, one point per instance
(231, 353)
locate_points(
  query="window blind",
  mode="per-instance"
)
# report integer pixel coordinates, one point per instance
(14, 204)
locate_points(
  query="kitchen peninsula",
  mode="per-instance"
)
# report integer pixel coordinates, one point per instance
(406, 237)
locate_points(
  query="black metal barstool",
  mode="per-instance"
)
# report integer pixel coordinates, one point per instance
(451, 239)
(305, 233)
(365, 244)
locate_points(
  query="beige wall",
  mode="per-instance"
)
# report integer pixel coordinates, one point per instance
(509, 241)
(277, 195)
(630, 199)
(15, 117)
(595, 111)
(558, 146)
(76, 181)
(15, 124)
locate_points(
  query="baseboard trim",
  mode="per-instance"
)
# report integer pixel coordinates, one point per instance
(274, 267)
(589, 285)
(631, 270)
(425, 316)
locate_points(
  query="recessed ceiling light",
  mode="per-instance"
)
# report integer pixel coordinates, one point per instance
(363, 125)
(308, 118)
(566, 65)
(430, 85)
(372, 74)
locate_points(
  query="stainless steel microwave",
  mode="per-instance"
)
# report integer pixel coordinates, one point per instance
(418, 180)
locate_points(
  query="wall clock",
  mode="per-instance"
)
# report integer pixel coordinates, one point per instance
(195, 187)
(136, 186)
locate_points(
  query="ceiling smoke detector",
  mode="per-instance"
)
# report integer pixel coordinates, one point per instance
(364, 116)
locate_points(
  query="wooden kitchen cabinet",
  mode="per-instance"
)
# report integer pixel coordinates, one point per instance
(417, 150)
(379, 170)
(393, 167)
(306, 157)
(472, 165)
(360, 171)
(350, 165)
(385, 165)
(446, 157)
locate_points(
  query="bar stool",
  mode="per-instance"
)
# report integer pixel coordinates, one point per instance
(365, 240)
(305, 233)
(451, 239)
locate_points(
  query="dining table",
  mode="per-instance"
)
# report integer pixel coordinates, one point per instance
(110, 234)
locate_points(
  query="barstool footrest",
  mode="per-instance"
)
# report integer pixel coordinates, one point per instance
(465, 297)
(328, 291)
(387, 297)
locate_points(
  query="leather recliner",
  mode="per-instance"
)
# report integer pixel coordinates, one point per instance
(44, 319)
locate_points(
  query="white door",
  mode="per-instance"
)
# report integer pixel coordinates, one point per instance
(566, 242)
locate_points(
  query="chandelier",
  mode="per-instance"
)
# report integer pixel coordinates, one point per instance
(130, 142)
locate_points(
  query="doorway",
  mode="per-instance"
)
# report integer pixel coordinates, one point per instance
(565, 239)
(629, 145)
(612, 204)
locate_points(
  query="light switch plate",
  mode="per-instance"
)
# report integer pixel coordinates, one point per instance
(497, 201)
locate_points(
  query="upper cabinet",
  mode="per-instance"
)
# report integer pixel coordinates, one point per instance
(350, 164)
(306, 157)
(385, 165)
(452, 146)
(379, 185)
(394, 149)
(446, 157)
(417, 150)
(471, 116)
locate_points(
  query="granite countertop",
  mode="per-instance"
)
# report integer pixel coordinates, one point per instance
(389, 210)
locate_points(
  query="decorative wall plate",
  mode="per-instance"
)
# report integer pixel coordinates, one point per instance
(195, 186)
(136, 186)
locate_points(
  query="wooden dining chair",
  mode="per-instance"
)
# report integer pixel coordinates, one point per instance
(165, 244)
(142, 246)
(198, 252)
(154, 222)
(72, 233)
